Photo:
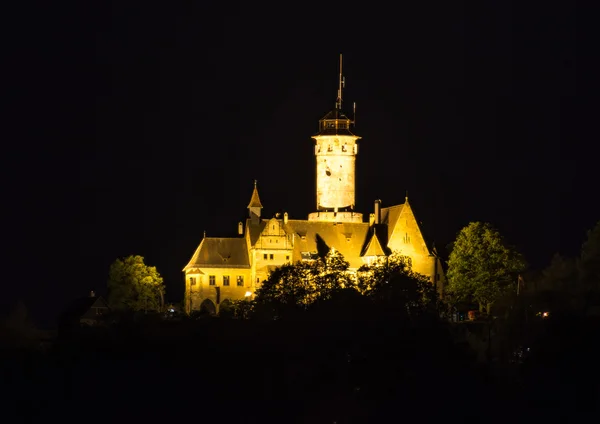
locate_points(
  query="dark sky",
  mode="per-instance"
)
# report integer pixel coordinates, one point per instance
(139, 125)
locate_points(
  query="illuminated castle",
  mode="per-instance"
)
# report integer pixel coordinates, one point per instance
(223, 269)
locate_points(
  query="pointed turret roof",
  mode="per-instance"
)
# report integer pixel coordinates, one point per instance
(255, 200)
(374, 247)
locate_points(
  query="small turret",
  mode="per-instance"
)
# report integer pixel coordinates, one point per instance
(255, 207)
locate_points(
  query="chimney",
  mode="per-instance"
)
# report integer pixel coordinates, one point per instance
(371, 219)
(377, 211)
(92, 293)
(240, 228)
(285, 218)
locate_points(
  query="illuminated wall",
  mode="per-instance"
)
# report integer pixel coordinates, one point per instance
(208, 279)
(336, 157)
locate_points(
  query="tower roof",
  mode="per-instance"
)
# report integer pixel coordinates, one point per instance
(255, 200)
(336, 122)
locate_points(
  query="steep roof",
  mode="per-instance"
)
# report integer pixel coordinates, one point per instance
(79, 307)
(255, 229)
(374, 247)
(389, 217)
(217, 252)
(255, 200)
(316, 236)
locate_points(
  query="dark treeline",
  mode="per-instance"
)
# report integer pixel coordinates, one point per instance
(317, 346)
(315, 367)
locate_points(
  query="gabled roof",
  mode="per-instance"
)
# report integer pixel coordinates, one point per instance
(255, 200)
(255, 230)
(389, 217)
(374, 247)
(218, 252)
(77, 308)
(318, 236)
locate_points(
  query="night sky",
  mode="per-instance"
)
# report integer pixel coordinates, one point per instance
(139, 125)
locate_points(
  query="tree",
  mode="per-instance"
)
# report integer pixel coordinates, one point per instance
(20, 329)
(135, 286)
(560, 275)
(589, 264)
(299, 285)
(391, 281)
(481, 267)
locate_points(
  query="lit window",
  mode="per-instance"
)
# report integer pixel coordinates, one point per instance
(240, 280)
(212, 280)
(225, 280)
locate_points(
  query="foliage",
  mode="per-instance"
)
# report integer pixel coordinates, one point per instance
(481, 266)
(18, 328)
(303, 283)
(242, 309)
(391, 280)
(589, 264)
(135, 286)
(560, 275)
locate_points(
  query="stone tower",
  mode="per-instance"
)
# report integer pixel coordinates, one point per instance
(335, 152)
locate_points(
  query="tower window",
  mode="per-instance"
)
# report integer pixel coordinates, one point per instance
(265, 256)
(329, 148)
(271, 256)
(287, 258)
(212, 280)
(344, 148)
(240, 281)
(192, 281)
(226, 280)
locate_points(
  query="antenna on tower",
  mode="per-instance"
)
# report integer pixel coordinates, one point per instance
(354, 113)
(338, 103)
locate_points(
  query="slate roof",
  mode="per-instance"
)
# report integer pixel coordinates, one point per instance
(79, 307)
(352, 239)
(348, 238)
(220, 252)
(255, 200)
(389, 218)
(374, 247)
(255, 229)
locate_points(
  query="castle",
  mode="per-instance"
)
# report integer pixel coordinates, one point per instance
(223, 269)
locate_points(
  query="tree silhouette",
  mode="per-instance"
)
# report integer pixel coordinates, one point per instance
(589, 264)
